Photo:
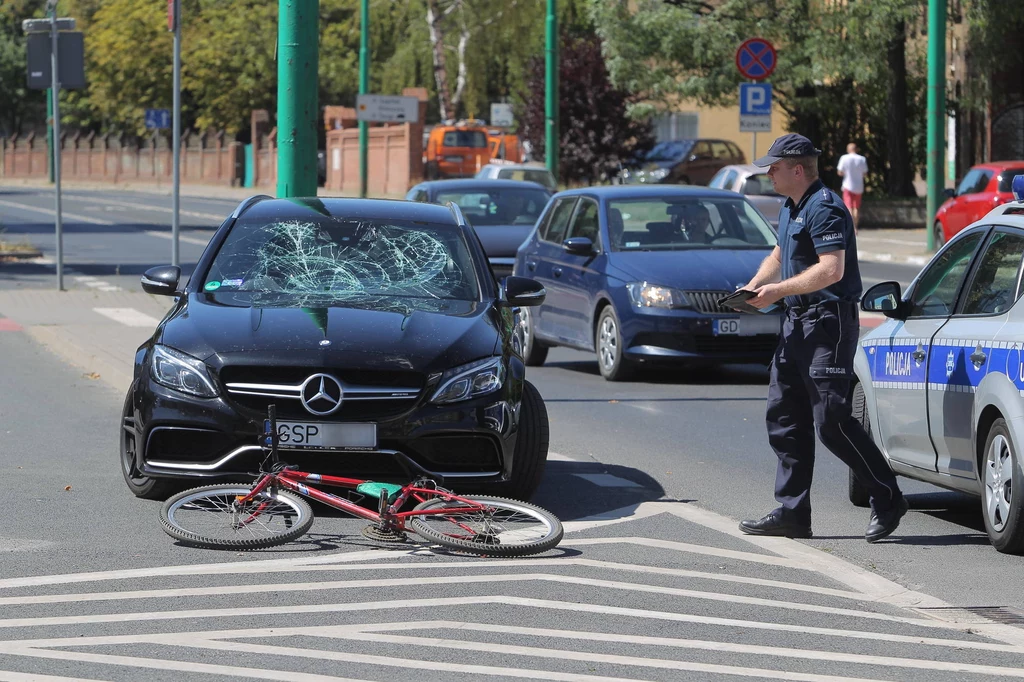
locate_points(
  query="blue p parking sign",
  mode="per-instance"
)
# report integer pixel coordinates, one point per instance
(755, 99)
(158, 118)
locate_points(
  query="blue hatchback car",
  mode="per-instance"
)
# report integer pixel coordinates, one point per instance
(634, 274)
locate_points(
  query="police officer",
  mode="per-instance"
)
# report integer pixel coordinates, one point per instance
(814, 269)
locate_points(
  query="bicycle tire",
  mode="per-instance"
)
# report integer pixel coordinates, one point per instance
(192, 515)
(450, 530)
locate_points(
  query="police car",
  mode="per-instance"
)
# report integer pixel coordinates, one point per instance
(940, 384)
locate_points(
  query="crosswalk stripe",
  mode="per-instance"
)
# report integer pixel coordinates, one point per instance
(128, 316)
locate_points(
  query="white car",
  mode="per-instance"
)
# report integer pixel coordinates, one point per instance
(519, 171)
(753, 182)
(941, 383)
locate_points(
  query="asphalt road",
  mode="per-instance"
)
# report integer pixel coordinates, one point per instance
(653, 581)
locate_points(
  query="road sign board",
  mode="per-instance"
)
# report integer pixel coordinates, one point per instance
(755, 99)
(756, 59)
(501, 115)
(387, 108)
(158, 118)
(70, 58)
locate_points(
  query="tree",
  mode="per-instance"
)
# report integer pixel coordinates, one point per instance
(595, 134)
(19, 106)
(829, 80)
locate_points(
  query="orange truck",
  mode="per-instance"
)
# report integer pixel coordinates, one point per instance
(459, 150)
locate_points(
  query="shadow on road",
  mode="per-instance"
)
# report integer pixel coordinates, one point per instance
(704, 374)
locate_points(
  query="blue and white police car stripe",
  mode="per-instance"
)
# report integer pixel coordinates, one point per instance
(893, 366)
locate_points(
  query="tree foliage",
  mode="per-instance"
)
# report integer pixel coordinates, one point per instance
(595, 133)
(832, 79)
(18, 104)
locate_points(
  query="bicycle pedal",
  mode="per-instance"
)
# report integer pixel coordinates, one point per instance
(374, 532)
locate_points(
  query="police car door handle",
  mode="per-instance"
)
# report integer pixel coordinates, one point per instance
(978, 356)
(556, 271)
(531, 265)
(919, 353)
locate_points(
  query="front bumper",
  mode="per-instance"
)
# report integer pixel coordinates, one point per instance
(185, 437)
(665, 336)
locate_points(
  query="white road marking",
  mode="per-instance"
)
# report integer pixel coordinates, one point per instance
(161, 209)
(608, 481)
(64, 214)
(187, 240)
(128, 316)
(7, 676)
(557, 457)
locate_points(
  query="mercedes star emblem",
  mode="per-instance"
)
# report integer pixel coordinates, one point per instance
(321, 394)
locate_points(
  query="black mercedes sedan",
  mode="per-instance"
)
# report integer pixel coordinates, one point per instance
(374, 327)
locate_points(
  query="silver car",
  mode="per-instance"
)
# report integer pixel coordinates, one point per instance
(940, 385)
(519, 171)
(754, 183)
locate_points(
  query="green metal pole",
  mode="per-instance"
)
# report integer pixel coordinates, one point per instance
(936, 110)
(364, 86)
(551, 91)
(49, 125)
(297, 65)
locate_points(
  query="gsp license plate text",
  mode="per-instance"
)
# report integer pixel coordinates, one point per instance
(312, 435)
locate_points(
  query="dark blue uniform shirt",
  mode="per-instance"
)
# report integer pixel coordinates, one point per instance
(819, 223)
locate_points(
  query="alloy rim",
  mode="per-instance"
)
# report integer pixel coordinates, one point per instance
(998, 482)
(524, 323)
(608, 343)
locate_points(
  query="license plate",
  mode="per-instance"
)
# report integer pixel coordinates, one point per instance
(727, 327)
(320, 436)
(748, 325)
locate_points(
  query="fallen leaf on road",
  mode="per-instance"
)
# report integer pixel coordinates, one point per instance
(91, 375)
(67, 487)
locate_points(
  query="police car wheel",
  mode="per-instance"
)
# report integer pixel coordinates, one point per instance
(1002, 490)
(855, 490)
(613, 364)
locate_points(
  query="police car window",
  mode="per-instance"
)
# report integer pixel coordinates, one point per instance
(994, 287)
(555, 231)
(937, 289)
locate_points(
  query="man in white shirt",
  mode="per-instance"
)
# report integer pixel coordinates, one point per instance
(852, 168)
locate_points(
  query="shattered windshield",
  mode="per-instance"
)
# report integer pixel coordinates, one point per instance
(337, 261)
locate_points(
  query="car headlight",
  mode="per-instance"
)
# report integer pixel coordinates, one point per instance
(644, 295)
(182, 372)
(470, 381)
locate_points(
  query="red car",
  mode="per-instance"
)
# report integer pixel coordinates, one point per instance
(983, 188)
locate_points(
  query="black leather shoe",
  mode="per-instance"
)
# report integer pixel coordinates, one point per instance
(775, 523)
(884, 523)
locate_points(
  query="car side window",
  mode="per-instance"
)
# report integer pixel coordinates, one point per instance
(419, 195)
(586, 223)
(701, 150)
(736, 153)
(986, 177)
(937, 289)
(720, 150)
(718, 182)
(730, 179)
(995, 286)
(555, 230)
(971, 181)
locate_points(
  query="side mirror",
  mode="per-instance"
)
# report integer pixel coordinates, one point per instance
(885, 298)
(949, 193)
(578, 246)
(523, 291)
(162, 280)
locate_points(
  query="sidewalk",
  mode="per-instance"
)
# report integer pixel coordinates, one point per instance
(903, 247)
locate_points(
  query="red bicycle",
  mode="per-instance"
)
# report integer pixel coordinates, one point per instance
(269, 513)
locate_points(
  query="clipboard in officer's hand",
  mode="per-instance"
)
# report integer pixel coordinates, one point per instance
(737, 300)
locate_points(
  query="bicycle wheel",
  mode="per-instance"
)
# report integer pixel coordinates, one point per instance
(210, 517)
(500, 528)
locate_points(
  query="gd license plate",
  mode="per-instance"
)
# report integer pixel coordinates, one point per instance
(727, 327)
(748, 325)
(319, 436)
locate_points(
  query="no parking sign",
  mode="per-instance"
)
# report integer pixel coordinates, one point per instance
(756, 59)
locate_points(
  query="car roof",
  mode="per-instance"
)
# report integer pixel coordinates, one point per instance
(478, 183)
(1010, 214)
(999, 165)
(640, 191)
(748, 168)
(338, 207)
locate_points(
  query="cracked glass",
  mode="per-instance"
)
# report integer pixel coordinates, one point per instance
(334, 261)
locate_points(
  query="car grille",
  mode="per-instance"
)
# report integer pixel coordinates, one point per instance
(707, 301)
(368, 395)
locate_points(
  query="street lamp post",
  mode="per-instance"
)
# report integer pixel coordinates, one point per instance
(551, 89)
(936, 110)
(364, 88)
(176, 138)
(297, 66)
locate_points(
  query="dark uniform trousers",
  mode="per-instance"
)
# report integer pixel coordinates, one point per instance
(811, 377)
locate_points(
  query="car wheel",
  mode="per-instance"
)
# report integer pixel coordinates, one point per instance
(940, 236)
(534, 352)
(531, 452)
(610, 357)
(141, 486)
(1003, 482)
(855, 490)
